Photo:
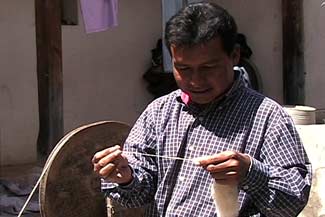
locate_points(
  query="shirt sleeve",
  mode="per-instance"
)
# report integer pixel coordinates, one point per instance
(141, 191)
(279, 179)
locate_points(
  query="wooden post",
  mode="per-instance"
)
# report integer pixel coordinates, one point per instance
(49, 74)
(293, 52)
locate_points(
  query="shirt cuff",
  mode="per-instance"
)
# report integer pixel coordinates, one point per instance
(107, 185)
(257, 177)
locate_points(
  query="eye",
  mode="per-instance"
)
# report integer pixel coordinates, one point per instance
(182, 68)
(210, 66)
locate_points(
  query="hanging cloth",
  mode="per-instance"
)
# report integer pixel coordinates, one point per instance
(99, 15)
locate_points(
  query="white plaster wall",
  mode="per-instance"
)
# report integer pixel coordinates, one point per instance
(261, 22)
(18, 83)
(315, 52)
(103, 71)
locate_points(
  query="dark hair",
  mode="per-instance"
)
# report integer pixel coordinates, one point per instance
(200, 22)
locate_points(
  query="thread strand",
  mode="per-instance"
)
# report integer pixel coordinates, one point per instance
(159, 156)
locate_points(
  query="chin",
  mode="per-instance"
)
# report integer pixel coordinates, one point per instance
(203, 98)
(201, 101)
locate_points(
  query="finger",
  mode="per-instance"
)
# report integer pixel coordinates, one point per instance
(96, 167)
(230, 164)
(107, 170)
(227, 175)
(99, 155)
(110, 158)
(217, 158)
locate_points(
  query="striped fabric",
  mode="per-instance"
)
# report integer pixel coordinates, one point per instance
(243, 120)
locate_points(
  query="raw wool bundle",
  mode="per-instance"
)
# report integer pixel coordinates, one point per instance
(226, 199)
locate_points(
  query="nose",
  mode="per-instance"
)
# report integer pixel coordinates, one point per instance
(197, 78)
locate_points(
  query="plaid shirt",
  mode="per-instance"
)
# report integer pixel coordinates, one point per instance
(243, 120)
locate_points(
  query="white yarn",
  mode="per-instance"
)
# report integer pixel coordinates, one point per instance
(226, 199)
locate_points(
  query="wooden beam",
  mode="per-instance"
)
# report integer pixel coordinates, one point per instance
(293, 52)
(49, 74)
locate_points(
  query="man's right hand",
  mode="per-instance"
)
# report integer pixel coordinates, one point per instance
(112, 165)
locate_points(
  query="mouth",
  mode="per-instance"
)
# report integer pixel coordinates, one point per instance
(201, 91)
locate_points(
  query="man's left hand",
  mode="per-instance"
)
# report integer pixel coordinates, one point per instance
(227, 167)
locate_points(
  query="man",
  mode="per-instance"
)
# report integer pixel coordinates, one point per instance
(236, 135)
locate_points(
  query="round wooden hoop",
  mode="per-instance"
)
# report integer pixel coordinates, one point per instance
(69, 187)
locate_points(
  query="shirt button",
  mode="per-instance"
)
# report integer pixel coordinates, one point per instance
(181, 178)
(245, 187)
(191, 148)
(201, 119)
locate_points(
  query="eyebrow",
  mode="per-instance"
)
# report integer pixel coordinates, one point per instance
(179, 64)
(212, 61)
(216, 60)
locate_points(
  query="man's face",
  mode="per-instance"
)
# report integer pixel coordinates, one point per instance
(204, 71)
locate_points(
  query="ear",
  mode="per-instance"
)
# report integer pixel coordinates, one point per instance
(235, 55)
